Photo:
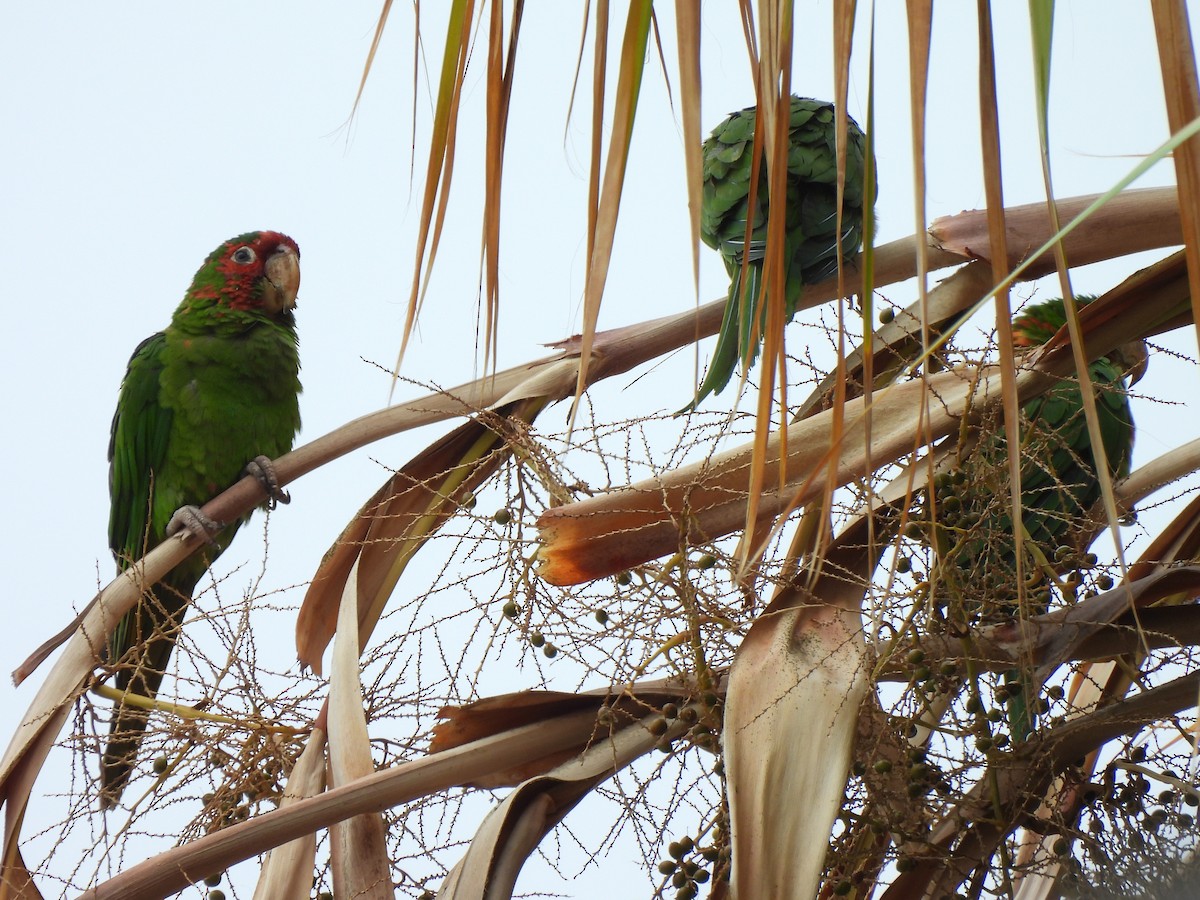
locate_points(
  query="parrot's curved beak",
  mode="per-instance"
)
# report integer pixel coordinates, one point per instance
(282, 272)
(1134, 358)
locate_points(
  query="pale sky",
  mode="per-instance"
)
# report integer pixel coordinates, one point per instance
(141, 135)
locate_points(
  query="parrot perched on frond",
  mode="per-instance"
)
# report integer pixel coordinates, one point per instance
(214, 395)
(811, 241)
(974, 533)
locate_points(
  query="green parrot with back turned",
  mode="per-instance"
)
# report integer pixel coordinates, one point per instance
(1058, 485)
(220, 386)
(811, 234)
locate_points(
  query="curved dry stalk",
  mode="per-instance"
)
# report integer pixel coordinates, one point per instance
(703, 501)
(1134, 220)
(1030, 780)
(954, 849)
(1103, 683)
(175, 869)
(795, 687)
(514, 828)
(994, 648)
(287, 871)
(898, 343)
(358, 846)
(401, 517)
(1159, 473)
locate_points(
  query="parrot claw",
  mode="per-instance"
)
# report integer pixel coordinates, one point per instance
(189, 519)
(263, 469)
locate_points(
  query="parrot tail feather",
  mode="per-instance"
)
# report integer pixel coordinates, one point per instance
(156, 623)
(725, 356)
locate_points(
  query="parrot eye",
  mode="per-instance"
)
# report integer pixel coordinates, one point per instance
(243, 256)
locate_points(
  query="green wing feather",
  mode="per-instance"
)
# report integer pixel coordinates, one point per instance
(137, 447)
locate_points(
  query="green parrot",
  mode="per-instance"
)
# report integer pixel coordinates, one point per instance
(218, 387)
(1058, 485)
(811, 242)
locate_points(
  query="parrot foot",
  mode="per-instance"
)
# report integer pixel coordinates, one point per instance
(189, 519)
(263, 469)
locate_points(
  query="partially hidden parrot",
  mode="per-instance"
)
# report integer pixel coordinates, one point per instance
(212, 396)
(1059, 484)
(810, 214)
